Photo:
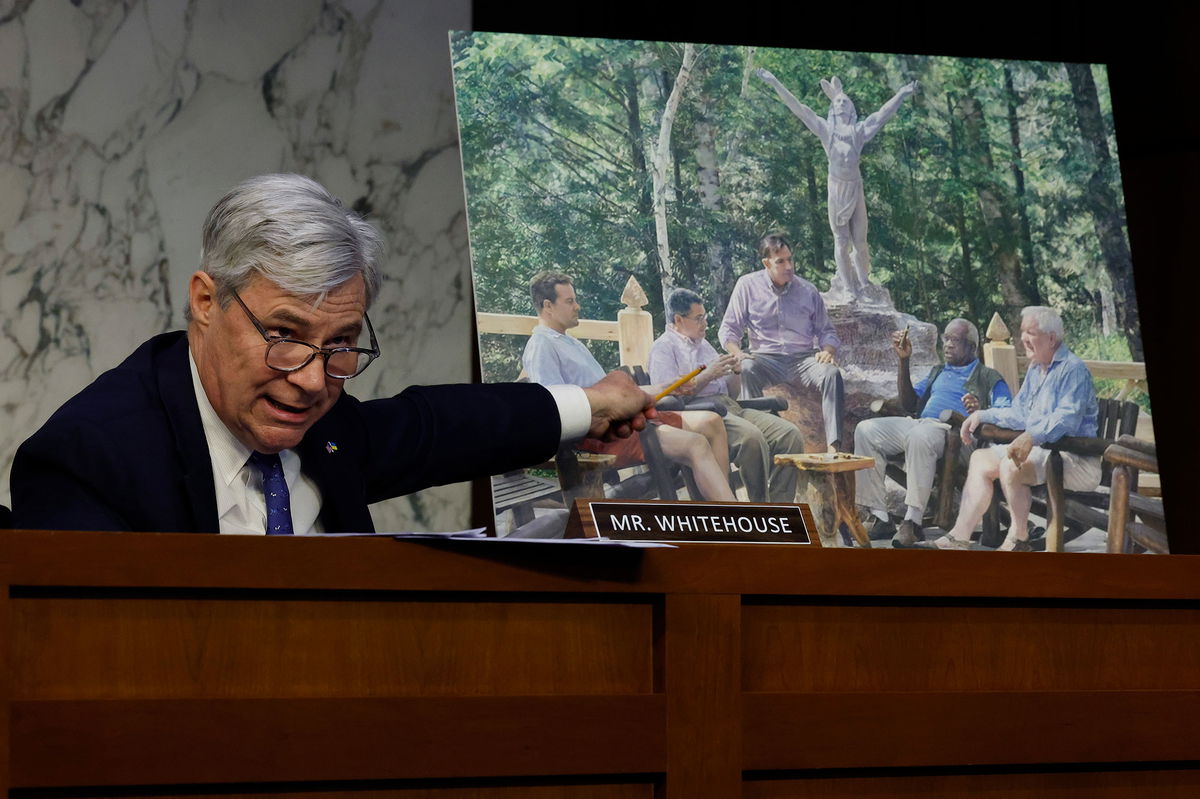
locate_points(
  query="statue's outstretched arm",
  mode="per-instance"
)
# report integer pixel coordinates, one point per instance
(806, 114)
(873, 123)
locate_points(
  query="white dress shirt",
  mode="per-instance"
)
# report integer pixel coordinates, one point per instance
(241, 507)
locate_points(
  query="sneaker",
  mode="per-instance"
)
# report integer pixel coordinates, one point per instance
(950, 542)
(881, 530)
(908, 535)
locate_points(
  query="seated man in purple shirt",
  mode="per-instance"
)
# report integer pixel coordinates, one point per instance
(791, 338)
(963, 384)
(755, 437)
(1057, 398)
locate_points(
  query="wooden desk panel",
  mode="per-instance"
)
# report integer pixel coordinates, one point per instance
(798, 647)
(181, 741)
(126, 646)
(1159, 784)
(254, 666)
(527, 791)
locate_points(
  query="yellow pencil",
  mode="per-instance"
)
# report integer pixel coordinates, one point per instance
(679, 382)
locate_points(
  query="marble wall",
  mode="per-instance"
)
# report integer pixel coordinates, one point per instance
(122, 121)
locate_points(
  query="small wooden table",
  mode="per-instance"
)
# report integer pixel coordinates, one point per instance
(838, 469)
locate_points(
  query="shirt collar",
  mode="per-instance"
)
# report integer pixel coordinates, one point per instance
(227, 453)
(682, 339)
(1059, 356)
(965, 368)
(546, 330)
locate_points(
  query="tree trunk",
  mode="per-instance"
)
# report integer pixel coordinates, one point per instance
(1000, 233)
(1105, 206)
(637, 155)
(818, 224)
(708, 174)
(688, 217)
(969, 283)
(660, 166)
(1108, 309)
(1029, 278)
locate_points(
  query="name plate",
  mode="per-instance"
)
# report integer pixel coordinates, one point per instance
(694, 522)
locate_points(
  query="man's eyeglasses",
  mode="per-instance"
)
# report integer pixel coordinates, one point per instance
(291, 355)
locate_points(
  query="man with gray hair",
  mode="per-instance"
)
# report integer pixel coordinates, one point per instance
(240, 424)
(962, 384)
(755, 436)
(1056, 399)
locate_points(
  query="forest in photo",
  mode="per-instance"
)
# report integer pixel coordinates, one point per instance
(996, 186)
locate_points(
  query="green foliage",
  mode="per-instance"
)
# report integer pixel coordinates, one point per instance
(1112, 347)
(965, 218)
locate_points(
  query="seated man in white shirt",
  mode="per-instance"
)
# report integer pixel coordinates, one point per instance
(695, 439)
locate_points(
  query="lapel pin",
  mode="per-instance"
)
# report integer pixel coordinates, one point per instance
(330, 447)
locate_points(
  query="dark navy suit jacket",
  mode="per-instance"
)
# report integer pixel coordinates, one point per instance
(128, 452)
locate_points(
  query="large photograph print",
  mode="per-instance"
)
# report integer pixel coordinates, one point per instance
(905, 281)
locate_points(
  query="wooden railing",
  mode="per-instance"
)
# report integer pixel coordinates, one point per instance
(1001, 355)
(633, 329)
(514, 325)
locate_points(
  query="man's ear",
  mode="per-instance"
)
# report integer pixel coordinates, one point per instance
(202, 298)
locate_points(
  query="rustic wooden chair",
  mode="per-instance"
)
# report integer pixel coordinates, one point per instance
(519, 490)
(1135, 523)
(1081, 510)
(666, 477)
(949, 472)
(1068, 514)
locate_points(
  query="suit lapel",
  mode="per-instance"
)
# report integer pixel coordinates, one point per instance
(328, 459)
(331, 465)
(179, 401)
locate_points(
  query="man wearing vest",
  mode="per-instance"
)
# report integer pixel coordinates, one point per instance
(963, 384)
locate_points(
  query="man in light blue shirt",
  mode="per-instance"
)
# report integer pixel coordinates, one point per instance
(1056, 399)
(696, 439)
(963, 384)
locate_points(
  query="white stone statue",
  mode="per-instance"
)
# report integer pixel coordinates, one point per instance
(843, 138)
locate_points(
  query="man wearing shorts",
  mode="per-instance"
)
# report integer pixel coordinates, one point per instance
(1056, 399)
(695, 439)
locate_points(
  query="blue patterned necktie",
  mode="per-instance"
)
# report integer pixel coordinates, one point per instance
(275, 492)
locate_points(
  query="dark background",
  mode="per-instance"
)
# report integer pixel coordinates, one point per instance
(1153, 74)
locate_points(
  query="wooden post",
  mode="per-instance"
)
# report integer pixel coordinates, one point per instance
(944, 518)
(635, 327)
(1055, 502)
(999, 354)
(1118, 508)
(700, 659)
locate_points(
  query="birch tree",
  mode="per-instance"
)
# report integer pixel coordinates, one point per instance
(660, 164)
